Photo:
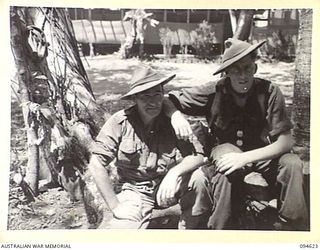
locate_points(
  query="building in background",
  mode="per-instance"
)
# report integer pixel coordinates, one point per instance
(105, 30)
(280, 28)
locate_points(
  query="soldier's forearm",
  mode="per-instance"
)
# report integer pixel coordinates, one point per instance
(282, 145)
(188, 164)
(103, 182)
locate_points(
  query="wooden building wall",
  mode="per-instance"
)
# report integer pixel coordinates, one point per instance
(105, 26)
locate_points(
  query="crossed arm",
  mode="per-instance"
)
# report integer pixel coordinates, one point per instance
(230, 162)
(167, 190)
(171, 182)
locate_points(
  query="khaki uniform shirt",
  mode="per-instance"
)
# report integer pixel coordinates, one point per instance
(141, 155)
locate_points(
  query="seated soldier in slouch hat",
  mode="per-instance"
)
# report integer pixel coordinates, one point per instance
(155, 168)
(247, 117)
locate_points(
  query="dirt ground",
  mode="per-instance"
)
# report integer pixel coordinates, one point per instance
(109, 77)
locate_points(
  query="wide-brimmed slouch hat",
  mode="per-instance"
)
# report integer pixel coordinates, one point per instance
(234, 51)
(143, 78)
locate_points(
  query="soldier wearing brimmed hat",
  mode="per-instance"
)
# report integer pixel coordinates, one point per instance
(155, 168)
(250, 131)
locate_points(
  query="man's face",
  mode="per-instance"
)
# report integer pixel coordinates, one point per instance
(149, 102)
(241, 74)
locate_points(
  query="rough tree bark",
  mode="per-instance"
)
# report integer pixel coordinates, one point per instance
(233, 20)
(24, 80)
(60, 111)
(244, 25)
(301, 96)
(241, 23)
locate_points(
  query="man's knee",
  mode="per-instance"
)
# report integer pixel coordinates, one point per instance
(216, 153)
(222, 149)
(291, 162)
(290, 165)
(198, 187)
(198, 181)
(196, 199)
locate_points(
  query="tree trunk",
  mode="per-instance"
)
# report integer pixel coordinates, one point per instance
(139, 20)
(19, 50)
(60, 111)
(244, 24)
(92, 53)
(301, 97)
(233, 20)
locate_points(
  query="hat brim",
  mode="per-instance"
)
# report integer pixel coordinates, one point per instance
(238, 57)
(147, 86)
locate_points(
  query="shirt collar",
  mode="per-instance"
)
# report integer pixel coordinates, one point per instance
(159, 122)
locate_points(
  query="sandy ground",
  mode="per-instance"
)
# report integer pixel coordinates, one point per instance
(109, 76)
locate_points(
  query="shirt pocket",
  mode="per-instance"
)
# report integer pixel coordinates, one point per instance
(129, 152)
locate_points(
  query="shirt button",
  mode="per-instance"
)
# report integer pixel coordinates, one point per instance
(239, 143)
(240, 133)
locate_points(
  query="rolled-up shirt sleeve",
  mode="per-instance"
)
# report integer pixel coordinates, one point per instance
(277, 117)
(193, 101)
(107, 141)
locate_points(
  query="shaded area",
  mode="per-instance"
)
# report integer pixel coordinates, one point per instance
(52, 210)
(110, 81)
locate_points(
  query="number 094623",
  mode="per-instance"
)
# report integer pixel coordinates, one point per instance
(308, 246)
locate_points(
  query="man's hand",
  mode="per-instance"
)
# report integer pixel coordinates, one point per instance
(230, 162)
(181, 126)
(168, 188)
(127, 211)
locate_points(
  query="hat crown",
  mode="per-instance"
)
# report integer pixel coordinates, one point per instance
(234, 47)
(143, 78)
(234, 51)
(143, 74)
